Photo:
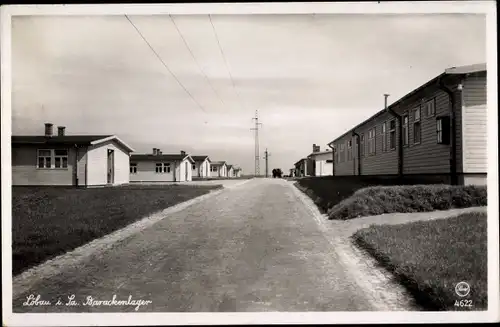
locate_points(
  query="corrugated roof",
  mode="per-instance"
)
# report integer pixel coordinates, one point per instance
(449, 71)
(54, 140)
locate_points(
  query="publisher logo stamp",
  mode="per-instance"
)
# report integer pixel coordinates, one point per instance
(462, 289)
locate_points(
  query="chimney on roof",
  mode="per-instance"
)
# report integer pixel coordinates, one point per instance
(316, 148)
(48, 129)
(385, 100)
(183, 152)
(158, 151)
(154, 151)
(60, 130)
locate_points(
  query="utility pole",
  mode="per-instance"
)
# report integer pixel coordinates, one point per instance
(266, 157)
(257, 151)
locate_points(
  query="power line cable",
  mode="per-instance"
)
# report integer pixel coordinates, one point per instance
(165, 65)
(225, 60)
(194, 58)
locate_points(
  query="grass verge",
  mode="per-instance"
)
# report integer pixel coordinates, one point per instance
(346, 198)
(416, 198)
(49, 221)
(430, 257)
(328, 191)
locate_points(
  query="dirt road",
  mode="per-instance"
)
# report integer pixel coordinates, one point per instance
(254, 247)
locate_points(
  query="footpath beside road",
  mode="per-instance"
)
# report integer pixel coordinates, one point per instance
(370, 275)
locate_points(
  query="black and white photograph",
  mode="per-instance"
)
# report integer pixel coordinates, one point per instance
(258, 163)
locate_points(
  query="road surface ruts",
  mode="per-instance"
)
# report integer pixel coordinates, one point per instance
(251, 248)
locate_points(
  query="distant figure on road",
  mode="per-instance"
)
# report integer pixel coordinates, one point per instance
(277, 173)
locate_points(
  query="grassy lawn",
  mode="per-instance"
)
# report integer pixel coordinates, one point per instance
(329, 191)
(416, 198)
(430, 257)
(49, 221)
(349, 198)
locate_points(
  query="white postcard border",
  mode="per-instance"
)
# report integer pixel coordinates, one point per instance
(112, 319)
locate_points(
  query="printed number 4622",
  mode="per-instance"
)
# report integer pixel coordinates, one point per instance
(463, 303)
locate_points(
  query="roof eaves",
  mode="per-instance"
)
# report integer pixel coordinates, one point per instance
(318, 153)
(218, 163)
(391, 106)
(113, 137)
(461, 70)
(300, 161)
(189, 158)
(67, 139)
(469, 69)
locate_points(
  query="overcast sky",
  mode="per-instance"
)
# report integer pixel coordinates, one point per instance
(311, 77)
